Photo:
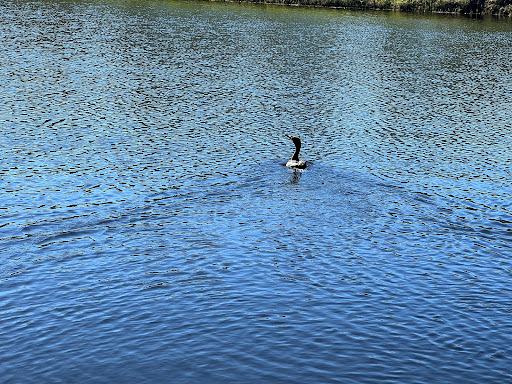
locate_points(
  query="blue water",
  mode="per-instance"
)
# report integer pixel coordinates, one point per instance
(151, 233)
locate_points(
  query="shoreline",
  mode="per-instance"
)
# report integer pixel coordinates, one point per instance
(499, 8)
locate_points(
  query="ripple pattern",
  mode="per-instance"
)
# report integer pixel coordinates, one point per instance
(149, 229)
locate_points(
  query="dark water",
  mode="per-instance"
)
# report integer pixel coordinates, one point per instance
(150, 233)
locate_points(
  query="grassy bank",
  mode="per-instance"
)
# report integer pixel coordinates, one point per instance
(487, 7)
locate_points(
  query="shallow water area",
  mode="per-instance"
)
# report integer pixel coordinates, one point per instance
(150, 231)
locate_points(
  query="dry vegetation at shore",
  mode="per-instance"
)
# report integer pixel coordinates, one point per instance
(489, 7)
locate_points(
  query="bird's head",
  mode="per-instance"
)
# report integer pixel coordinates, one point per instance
(295, 140)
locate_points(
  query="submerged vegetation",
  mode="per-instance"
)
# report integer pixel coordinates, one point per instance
(489, 7)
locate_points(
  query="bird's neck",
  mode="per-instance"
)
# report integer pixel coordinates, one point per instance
(296, 154)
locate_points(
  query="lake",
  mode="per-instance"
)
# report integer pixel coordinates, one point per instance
(150, 232)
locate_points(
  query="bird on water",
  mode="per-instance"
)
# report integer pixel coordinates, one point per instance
(294, 162)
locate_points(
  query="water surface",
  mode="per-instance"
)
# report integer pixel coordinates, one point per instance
(149, 231)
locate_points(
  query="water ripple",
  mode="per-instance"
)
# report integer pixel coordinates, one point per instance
(149, 227)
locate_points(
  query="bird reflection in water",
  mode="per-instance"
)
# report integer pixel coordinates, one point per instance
(296, 175)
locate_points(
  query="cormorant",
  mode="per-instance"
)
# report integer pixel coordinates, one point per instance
(294, 162)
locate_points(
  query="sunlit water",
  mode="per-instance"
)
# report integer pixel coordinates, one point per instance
(150, 232)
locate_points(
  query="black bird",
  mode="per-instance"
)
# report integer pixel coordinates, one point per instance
(294, 162)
